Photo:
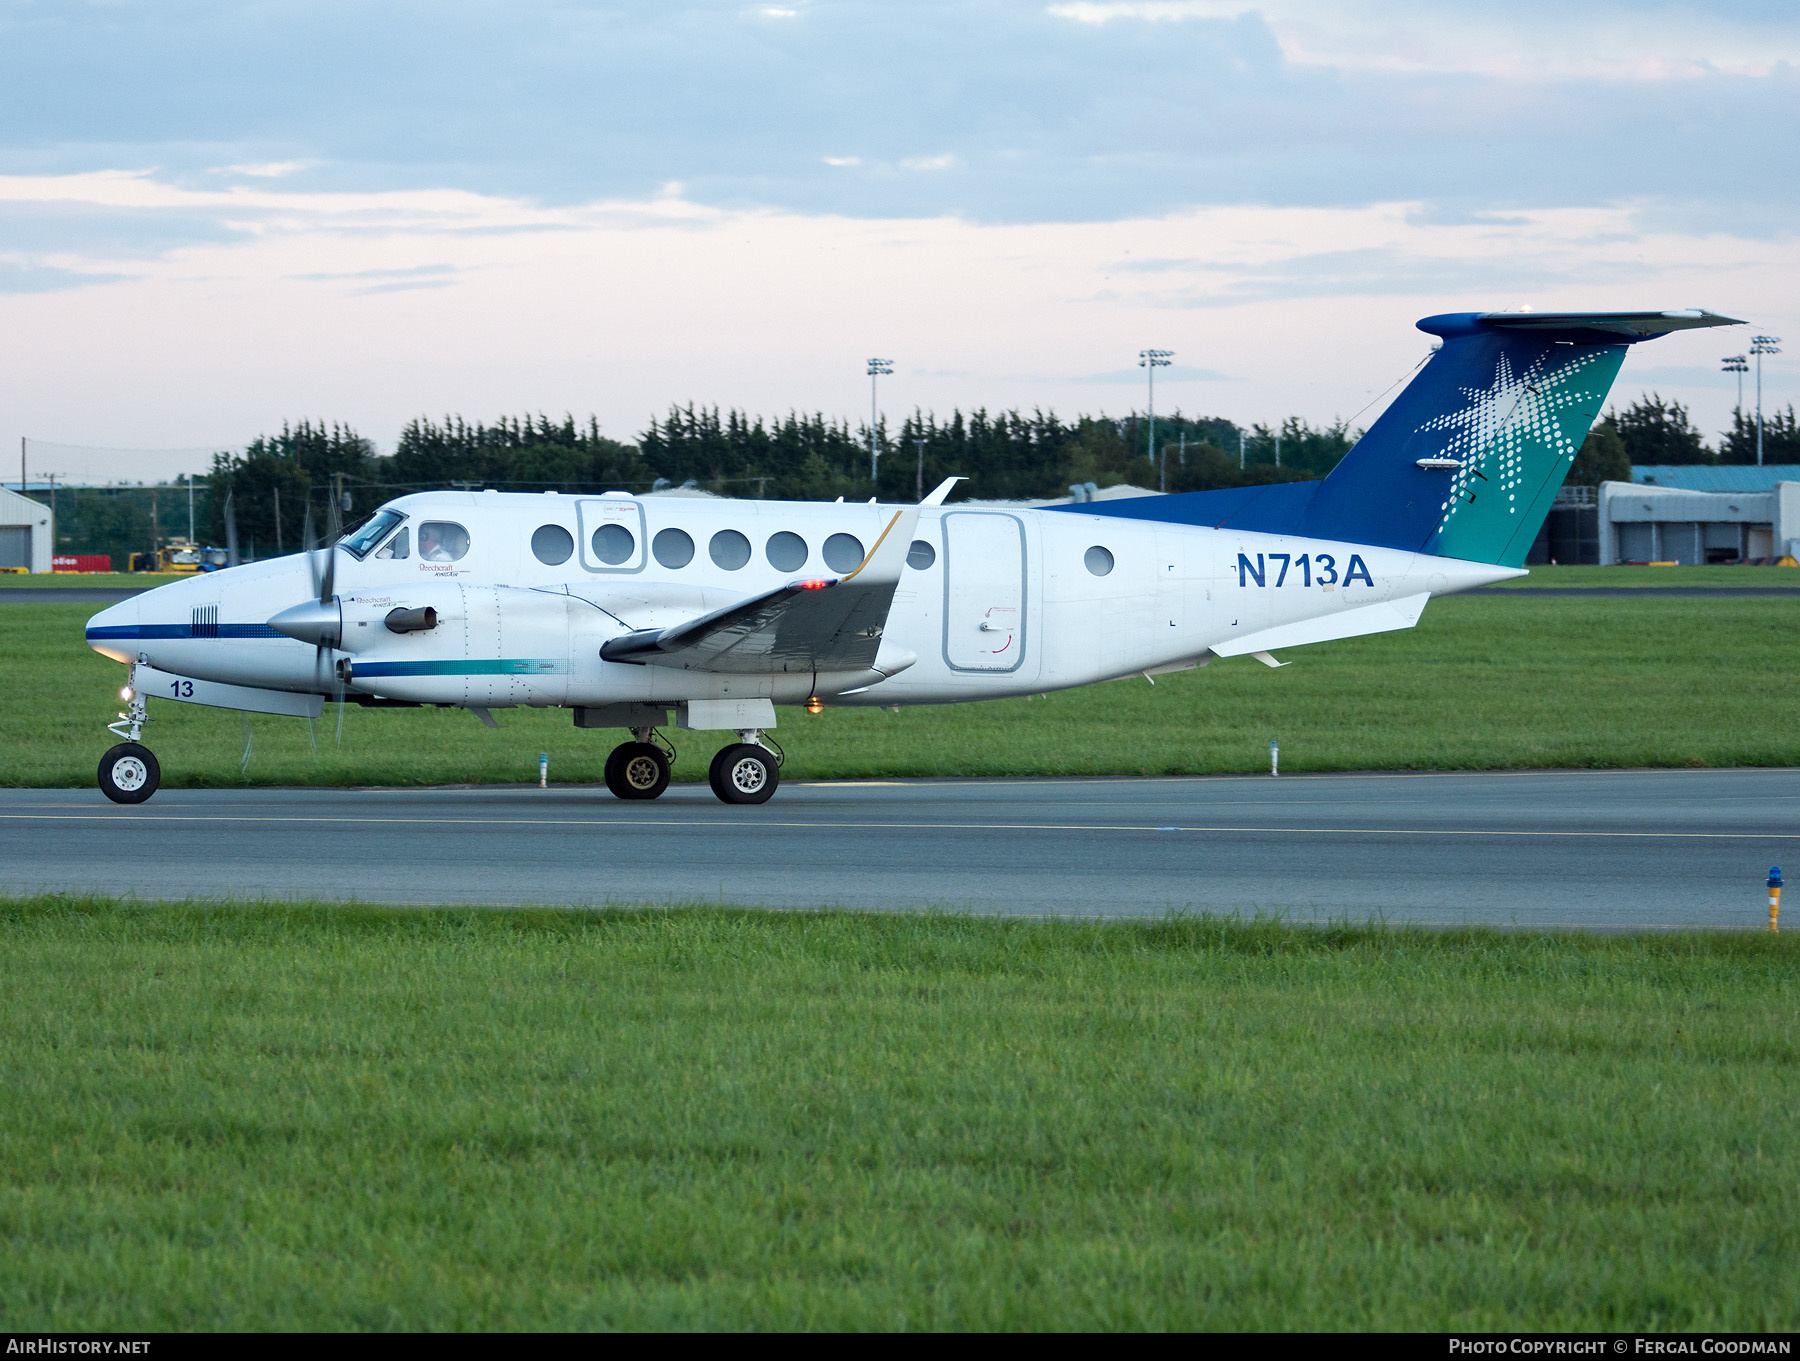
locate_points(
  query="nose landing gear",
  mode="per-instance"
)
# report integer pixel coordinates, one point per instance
(129, 773)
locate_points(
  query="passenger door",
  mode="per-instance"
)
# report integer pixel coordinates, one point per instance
(984, 591)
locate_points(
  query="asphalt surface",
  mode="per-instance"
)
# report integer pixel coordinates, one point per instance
(1653, 849)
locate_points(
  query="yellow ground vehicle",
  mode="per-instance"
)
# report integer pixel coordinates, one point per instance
(179, 555)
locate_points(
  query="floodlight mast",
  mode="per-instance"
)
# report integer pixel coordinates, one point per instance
(1759, 346)
(1740, 365)
(1151, 361)
(877, 368)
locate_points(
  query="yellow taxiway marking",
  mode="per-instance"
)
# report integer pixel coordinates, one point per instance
(888, 826)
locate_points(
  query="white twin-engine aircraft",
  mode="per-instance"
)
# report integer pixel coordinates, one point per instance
(624, 608)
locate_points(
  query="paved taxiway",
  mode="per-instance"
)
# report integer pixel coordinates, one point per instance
(1575, 848)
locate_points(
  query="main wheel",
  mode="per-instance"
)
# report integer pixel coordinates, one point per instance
(744, 773)
(129, 773)
(637, 770)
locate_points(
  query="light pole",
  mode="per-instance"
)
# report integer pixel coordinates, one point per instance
(877, 368)
(1738, 364)
(919, 481)
(1151, 361)
(1759, 346)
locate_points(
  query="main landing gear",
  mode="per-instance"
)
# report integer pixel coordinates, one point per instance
(639, 769)
(744, 772)
(129, 773)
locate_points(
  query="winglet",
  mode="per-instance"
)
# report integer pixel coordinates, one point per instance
(939, 492)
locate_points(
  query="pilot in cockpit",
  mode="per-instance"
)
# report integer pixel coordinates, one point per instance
(442, 541)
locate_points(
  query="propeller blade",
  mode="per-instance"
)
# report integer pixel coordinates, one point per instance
(310, 539)
(328, 583)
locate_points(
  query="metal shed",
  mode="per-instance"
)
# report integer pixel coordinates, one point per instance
(26, 534)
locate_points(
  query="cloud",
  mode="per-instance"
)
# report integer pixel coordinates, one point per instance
(16, 278)
(1135, 377)
(267, 170)
(1033, 113)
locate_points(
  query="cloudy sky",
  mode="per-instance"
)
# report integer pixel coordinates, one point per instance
(217, 216)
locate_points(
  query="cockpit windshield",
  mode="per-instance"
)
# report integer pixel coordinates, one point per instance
(371, 532)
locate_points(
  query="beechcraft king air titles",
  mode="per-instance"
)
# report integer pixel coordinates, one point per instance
(625, 609)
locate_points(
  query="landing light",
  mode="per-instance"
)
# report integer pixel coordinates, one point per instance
(125, 693)
(815, 705)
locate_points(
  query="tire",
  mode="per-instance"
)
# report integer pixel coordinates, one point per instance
(744, 773)
(129, 773)
(637, 770)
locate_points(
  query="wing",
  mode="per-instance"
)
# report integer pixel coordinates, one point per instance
(823, 625)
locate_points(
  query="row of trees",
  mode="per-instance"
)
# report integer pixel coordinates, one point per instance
(275, 482)
(1655, 431)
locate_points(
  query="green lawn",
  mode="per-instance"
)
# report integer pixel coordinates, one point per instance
(1764, 577)
(295, 1117)
(1482, 682)
(90, 581)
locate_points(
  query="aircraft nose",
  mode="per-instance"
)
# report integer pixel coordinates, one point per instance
(114, 631)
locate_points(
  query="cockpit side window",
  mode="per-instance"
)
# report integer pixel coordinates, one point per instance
(442, 541)
(370, 532)
(397, 547)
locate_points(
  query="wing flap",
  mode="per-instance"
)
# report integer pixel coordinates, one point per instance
(804, 626)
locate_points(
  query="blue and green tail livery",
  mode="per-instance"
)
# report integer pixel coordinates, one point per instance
(1467, 460)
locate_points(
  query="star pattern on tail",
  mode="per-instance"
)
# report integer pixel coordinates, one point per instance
(1493, 432)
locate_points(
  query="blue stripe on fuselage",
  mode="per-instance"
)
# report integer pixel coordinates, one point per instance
(181, 631)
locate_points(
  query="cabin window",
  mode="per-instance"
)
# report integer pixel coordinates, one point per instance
(730, 549)
(786, 552)
(614, 544)
(365, 536)
(920, 555)
(673, 547)
(400, 546)
(1098, 560)
(442, 541)
(843, 552)
(552, 545)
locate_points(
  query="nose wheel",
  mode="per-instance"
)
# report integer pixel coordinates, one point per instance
(129, 773)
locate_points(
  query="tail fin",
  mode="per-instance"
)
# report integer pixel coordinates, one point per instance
(1467, 460)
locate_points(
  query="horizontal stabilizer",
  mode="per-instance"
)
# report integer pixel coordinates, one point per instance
(1382, 618)
(1643, 325)
(805, 626)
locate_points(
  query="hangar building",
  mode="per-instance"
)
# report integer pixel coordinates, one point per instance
(1700, 514)
(25, 532)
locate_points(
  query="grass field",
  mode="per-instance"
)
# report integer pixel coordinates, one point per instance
(1482, 682)
(91, 581)
(1760, 577)
(272, 1117)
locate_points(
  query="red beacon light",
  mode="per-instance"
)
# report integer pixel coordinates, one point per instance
(814, 585)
